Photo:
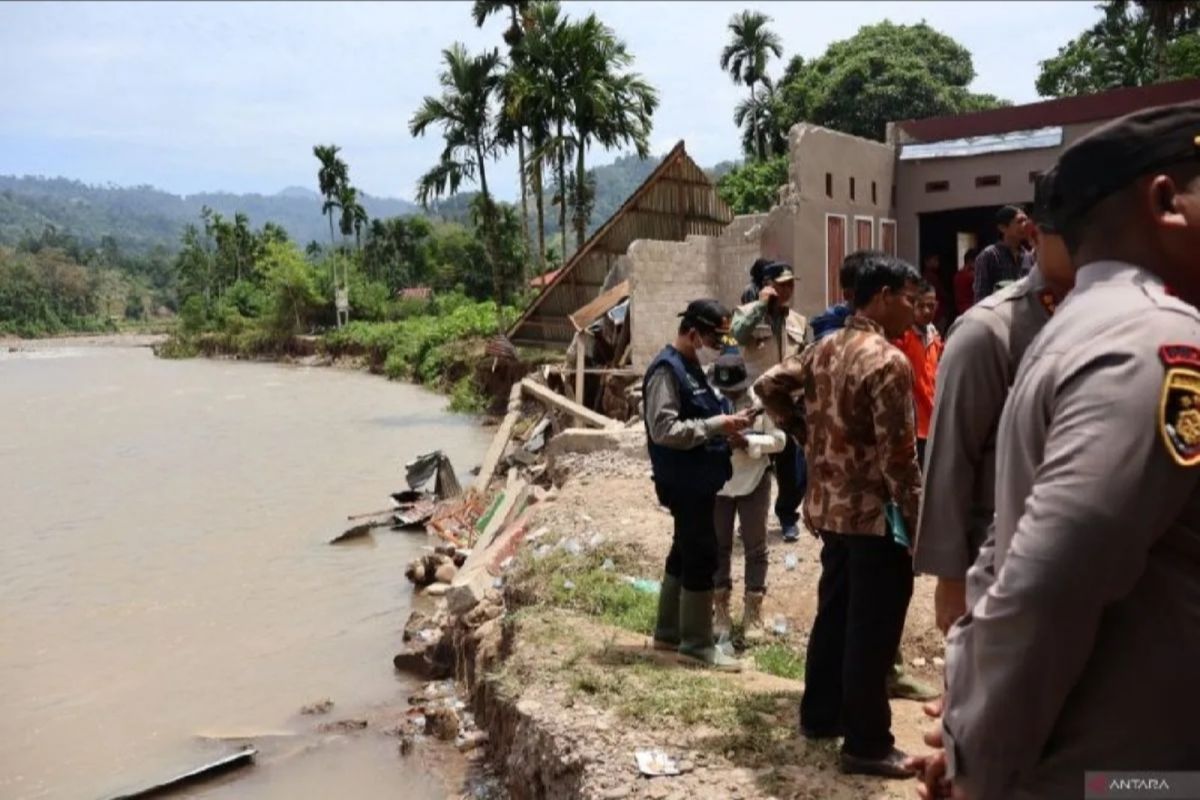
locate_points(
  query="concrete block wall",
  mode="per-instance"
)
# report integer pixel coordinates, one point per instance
(664, 277)
(737, 248)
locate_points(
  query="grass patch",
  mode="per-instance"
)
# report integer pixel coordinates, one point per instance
(466, 398)
(590, 582)
(780, 660)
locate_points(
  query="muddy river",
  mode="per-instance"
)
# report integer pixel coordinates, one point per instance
(165, 586)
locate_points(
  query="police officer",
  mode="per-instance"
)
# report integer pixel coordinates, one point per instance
(1077, 652)
(982, 352)
(686, 430)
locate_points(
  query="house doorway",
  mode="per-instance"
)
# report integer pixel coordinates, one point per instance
(949, 234)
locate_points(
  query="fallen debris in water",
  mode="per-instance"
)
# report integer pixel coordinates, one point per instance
(242, 758)
(342, 726)
(322, 706)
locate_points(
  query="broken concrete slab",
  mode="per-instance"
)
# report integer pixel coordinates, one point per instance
(629, 441)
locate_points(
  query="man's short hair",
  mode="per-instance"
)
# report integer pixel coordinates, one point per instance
(848, 272)
(925, 287)
(1006, 215)
(970, 255)
(877, 272)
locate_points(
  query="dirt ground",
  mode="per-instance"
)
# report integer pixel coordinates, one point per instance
(603, 689)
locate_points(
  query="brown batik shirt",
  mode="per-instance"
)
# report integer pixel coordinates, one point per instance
(848, 400)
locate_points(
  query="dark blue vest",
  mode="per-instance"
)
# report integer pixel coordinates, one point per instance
(703, 469)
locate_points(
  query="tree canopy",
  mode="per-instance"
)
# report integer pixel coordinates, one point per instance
(883, 73)
(1134, 44)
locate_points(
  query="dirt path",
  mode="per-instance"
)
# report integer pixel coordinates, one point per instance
(600, 689)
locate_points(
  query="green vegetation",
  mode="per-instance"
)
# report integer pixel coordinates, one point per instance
(1135, 44)
(781, 660)
(745, 58)
(754, 187)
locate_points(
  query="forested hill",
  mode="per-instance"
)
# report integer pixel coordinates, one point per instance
(141, 217)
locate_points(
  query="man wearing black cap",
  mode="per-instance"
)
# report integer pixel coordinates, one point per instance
(686, 426)
(1084, 621)
(977, 368)
(768, 331)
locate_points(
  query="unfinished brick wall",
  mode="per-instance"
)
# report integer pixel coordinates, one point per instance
(665, 276)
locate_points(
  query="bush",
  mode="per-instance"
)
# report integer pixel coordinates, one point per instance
(754, 187)
(466, 398)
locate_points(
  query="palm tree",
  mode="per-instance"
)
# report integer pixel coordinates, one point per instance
(751, 46)
(608, 106)
(330, 177)
(464, 113)
(354, 216)
(761, 116)
(511, 124)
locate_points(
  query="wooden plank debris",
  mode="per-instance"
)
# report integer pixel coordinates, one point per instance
(581, 413)
(242, 758)
(500, 440)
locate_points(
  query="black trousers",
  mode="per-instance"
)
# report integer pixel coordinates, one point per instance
(862, 599)
(693, 555)
(792, 474)
(921, 454)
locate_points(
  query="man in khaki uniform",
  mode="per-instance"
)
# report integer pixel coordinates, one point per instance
(1079, 648)
(768, 330)
(982, 352)
(848, 401)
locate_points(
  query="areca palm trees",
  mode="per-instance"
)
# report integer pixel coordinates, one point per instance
(464, 113)
(330, 177)
(759, 117)
(750, 47)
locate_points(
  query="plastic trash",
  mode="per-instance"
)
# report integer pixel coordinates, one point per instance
(608, 565)
(653, 763)
(498, 582)
(790, 561)
(643, 584)
(596, 540)
(541, 551)
(569, 585)
(780, 625)
(571, 546)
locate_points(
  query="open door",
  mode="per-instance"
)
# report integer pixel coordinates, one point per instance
(835, 252)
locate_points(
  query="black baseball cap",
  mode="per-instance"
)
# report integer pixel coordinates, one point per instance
(777, 272)
(1114, 155)
(708, 315)
(729, 372)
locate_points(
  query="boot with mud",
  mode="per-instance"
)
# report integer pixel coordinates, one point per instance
(696, 632)
(722, 621)
(902, 686)
(753, 631)
(666, 628)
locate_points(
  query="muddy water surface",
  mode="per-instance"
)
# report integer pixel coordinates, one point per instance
(165, 586)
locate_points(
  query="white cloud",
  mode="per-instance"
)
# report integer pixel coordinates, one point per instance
(195, 96)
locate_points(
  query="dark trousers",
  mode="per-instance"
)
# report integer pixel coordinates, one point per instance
(693, 556)
(862, 599)
(791, 471)
(921, 454)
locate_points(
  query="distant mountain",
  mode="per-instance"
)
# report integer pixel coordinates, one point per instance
(141, 218)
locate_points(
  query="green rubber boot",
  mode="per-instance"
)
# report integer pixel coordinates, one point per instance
(696, 632)
(902, 686)
(666, 629)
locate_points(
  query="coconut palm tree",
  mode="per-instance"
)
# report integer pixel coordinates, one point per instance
(464, 113)
(751, 45)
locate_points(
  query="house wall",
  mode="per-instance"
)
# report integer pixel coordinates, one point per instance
(795, 229)
(913, 198)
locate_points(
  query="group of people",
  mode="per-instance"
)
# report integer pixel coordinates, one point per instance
(1041, 463)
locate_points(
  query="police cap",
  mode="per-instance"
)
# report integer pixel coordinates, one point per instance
(708, 315)
(1114, 155)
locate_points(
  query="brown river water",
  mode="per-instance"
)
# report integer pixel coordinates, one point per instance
(165, 577)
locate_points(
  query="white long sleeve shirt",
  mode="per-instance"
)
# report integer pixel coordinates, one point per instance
(750, 463)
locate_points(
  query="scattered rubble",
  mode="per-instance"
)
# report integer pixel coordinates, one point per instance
(320, 707)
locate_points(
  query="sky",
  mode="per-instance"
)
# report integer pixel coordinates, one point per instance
(193, 97)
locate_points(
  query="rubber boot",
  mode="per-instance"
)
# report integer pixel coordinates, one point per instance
(902, 686)
(753, 631)
(722, 621)
(696, 632)
(666, 628)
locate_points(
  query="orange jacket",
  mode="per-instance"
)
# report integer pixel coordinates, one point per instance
(924, 360)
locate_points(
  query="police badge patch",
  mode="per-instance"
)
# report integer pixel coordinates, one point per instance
(1179, 405)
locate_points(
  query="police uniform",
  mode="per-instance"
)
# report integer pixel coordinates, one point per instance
(1079, 649)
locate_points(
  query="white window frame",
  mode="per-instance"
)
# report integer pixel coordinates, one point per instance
(845, 248)
(895, 235)
(870, 245)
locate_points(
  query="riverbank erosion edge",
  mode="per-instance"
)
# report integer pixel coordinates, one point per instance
(546, 631)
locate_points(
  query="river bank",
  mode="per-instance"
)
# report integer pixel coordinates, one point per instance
(556, 663)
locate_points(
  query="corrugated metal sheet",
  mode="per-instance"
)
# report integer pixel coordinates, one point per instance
(1038, 139)
(675, 201)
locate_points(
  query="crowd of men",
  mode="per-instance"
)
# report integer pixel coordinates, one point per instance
(1040, 462)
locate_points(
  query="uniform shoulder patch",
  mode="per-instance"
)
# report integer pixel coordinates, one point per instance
(1179, 404)
(1048, 301)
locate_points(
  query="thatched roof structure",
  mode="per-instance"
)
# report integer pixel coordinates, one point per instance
(676, 200)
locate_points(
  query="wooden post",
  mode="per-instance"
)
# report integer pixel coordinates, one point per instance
(500, 441)
(580, 358)
(584, 415)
